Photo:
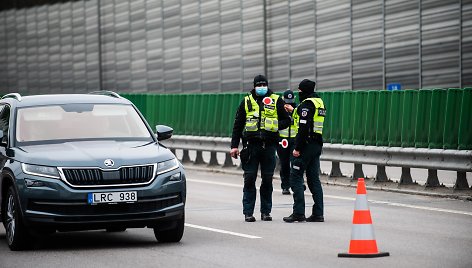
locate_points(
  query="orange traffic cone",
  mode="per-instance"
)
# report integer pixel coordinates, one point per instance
(363, 243)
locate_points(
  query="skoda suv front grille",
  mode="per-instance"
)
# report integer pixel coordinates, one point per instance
(90, 177)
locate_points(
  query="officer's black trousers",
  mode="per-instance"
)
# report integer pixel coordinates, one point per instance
(309, 161)
(265, 156)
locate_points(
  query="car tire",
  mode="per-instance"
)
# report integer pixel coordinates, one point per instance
(171, 235)
(17, 235)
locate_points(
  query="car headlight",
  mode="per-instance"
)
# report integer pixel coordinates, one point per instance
(166, 166)
(43, 171)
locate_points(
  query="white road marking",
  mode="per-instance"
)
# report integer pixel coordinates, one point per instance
(221, 231)
(352, 199)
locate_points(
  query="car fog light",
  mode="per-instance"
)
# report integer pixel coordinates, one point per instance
(175, 177)
(33, 183)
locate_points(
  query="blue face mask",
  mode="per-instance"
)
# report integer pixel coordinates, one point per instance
(261, 91)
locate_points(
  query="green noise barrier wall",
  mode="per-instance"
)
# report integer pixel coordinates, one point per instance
(425, 118)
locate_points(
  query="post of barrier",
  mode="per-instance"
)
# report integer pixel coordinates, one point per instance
(335, 170)
(360, 117)
(432, 180)
(381, 175)
(405, 178)
(348, 117)
(358, 172)
(371, 117)
(423, 112)
(228, 161)
(461, 181)
(408, 122)
(465, 126)
(185, 157)
(452, 120)
(395, 124)
(213, 159)
(438, 116)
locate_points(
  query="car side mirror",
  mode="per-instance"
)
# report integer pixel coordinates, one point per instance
(163, 132)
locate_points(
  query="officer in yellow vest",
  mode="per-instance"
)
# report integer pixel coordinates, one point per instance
(258, 119)
(287, 137)
(306, 154)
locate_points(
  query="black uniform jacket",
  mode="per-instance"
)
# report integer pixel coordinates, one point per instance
(306, 111)
(240, 122)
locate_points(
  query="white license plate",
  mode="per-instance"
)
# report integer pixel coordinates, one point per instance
(112, 197)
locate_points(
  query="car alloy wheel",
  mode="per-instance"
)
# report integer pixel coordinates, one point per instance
(11, 222)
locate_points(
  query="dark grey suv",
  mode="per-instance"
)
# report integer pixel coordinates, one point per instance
(85, 161)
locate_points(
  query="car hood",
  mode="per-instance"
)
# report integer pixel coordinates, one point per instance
(94, 153)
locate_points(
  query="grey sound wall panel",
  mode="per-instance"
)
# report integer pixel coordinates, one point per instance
(253, 48)
(302, 41)
(230, 46)
(333, 44)
(466, 44)
(171, 45)
(219, 46)
(402, 39)
(278, 40)
(440, 59)
(190, 21)
(210, 45)
(367, 44)
(154, 47)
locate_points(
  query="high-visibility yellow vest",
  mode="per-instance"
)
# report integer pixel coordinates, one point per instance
(319, 115)
(267, 120)
(292, 130)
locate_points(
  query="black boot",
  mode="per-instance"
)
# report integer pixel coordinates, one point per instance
(313, 217)
(249, 218)
(295, 217)
(266, 217)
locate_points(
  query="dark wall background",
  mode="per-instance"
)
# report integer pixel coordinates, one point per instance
(173, 46)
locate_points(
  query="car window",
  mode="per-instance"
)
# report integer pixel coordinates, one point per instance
(4, 121)
(80, 121)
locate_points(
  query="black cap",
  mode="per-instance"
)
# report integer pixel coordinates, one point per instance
(307, 86)
(260, 79)
(289, 97)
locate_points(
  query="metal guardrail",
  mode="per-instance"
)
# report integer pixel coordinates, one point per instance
(406, 158)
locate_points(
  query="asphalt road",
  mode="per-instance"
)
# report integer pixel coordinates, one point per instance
(417, 231)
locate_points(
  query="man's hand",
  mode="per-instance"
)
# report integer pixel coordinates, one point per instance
(234, 153)
(296, 153)
(288, 108)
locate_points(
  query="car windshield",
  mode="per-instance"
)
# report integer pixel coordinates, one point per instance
(80, 121)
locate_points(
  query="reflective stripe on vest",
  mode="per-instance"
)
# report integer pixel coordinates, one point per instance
(319, 115)
(285, 133)
(268, 118)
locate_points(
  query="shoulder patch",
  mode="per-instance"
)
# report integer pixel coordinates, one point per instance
(304, 113)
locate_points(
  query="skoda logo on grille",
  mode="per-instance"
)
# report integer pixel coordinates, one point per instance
(109, 163)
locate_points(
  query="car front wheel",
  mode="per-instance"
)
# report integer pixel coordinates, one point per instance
(18, 237)
(174, 234)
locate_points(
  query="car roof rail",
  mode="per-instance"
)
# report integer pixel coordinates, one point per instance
(16, 96)
(106, 93)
